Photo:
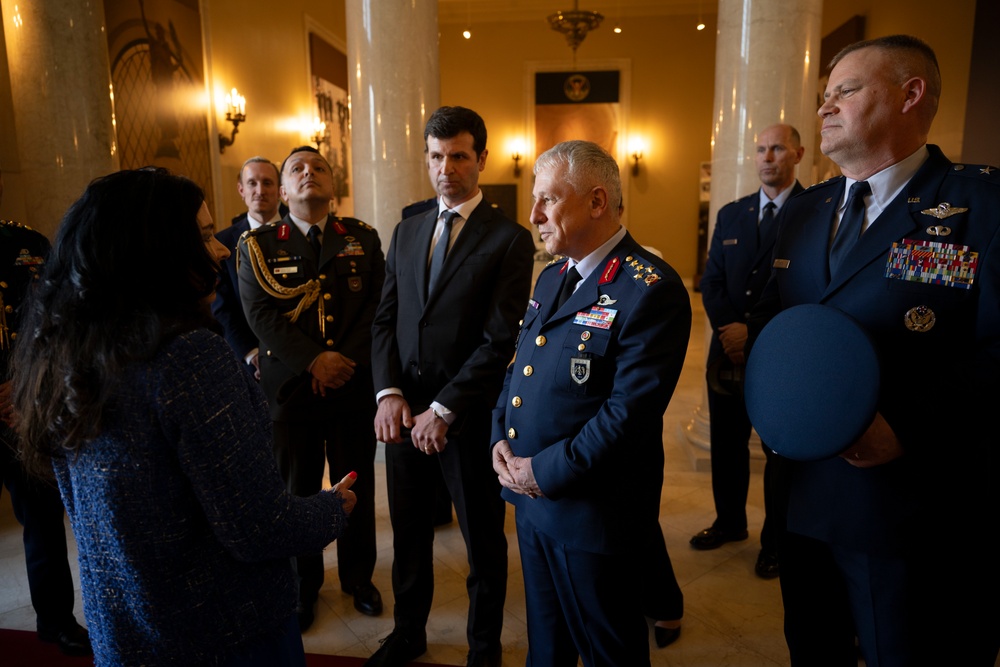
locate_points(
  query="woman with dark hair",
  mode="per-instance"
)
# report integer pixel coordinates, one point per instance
(159, 441)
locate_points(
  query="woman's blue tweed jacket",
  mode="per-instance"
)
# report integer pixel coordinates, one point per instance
(182, 523)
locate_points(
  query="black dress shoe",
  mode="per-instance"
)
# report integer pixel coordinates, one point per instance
(767, 565)
(367, 599)
(665, 636)
(306, 613)
(396, 650)
(484, 658)
(72, 640)
(713, 538)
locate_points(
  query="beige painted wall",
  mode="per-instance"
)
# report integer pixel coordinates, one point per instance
(670, 105)
(262, 50)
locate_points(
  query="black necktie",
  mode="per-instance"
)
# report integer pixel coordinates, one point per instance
(313, 236)
(440, 250)
(765, 221)
(850, 225)
(570, 280)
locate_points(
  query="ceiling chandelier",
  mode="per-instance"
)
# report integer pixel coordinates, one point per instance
(575, 24)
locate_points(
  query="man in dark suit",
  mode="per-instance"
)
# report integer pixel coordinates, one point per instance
(738, 267)
(457, 277)
(906, 243)
(578, 428)
(310, 285)
(37, 505)
(257, 184)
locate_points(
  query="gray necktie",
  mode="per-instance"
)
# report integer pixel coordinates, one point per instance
(850, 225)
(440, 251)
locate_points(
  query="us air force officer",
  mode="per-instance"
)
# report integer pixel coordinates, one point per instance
(908, 245)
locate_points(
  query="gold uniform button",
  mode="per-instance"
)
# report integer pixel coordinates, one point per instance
(3, 285)
(13, 335)
(528, 370)
(322, 276)
(327, 297)
(329, 318)
(511, 434)
(8, 309)
(516, 401)
(520, 323)
(269, 353)
(329, 342)
(540, 341)
(581, 347)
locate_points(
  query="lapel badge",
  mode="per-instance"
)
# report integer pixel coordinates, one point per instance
(919, 319)
(943, 210)
(585, 335)
(354, 283)
(580, 369)
(606, 300)
(913, 200)
(610, 270)
(938, 230)
(338, 227)
(651, 278)
(284, 231)
(986, 170)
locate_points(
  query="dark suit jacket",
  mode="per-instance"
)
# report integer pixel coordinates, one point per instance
(349, 272)
(939, 390)
(227, 307)
(452, 345)
(587, 402)
(738, 266)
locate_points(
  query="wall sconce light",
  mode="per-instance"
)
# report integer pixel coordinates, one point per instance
(517, 153)
(320, 134)
(236, 113)
(635, 148)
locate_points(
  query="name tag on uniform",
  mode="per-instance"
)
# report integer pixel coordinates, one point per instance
(933, 263)
(730, 241)
(282, 270)
(598, 317)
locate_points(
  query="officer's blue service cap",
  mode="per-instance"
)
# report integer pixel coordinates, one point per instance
(812, 382)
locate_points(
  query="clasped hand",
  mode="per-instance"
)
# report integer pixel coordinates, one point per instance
(331, 370)
(428, 433)
(514, 472)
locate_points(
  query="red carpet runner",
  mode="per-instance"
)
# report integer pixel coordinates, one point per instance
(19, 648)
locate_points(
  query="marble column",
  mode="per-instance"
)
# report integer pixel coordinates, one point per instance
(766, 72)
(392, 61)
(60, 80)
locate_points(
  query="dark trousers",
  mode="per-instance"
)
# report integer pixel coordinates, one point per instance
(662, 596)
(39, 509)
(580, 603)
(831, 595)
(475, 492)
(730, 458)
(345, 439)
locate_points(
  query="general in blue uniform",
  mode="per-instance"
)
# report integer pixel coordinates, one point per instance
(578, 427)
